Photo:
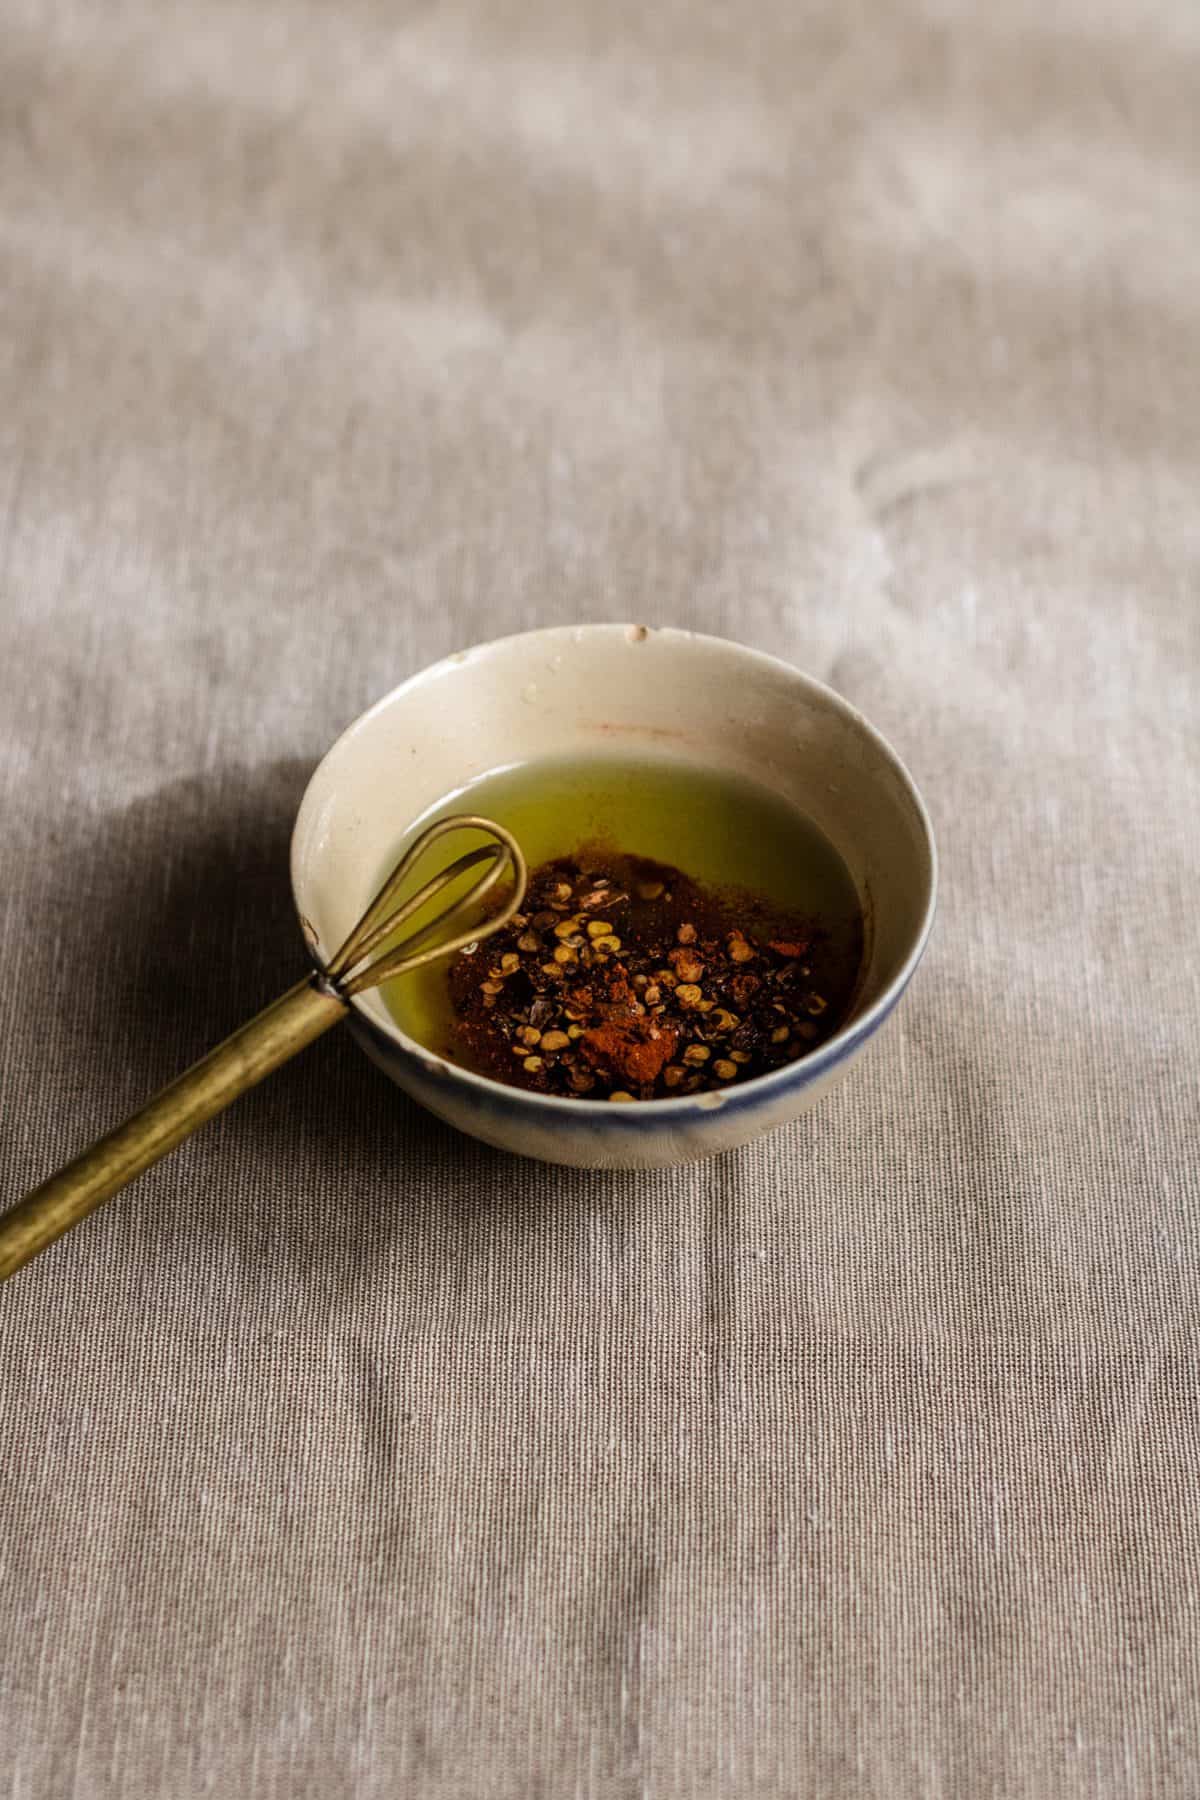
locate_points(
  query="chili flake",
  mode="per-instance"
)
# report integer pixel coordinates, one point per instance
(656, 986)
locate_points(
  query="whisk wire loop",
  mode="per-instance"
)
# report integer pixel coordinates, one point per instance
(387, 913)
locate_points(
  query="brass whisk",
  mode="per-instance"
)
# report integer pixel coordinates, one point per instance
(276, 1035)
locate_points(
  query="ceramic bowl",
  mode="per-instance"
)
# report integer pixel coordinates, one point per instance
(573, 689)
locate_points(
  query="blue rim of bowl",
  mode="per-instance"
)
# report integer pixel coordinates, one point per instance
(845, 1041)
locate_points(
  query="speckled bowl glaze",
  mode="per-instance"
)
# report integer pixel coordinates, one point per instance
(565, 691)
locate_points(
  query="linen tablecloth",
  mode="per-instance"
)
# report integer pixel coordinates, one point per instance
(342, 1456)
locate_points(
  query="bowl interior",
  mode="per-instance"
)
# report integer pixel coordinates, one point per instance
(615, 687)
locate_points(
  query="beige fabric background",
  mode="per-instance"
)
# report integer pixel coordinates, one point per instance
(343, 1457)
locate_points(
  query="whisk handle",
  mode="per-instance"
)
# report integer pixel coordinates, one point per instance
(204, 1090)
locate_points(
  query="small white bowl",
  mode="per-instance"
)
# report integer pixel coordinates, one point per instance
(565, 691)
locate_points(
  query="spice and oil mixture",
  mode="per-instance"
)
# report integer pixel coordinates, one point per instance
(628, 981)
(630, 975)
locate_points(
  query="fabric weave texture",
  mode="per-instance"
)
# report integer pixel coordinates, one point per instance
(342, 1456)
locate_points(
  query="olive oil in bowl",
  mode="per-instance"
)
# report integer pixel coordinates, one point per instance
(765, 860)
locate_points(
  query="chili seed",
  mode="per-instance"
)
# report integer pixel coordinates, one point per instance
(706, 1002)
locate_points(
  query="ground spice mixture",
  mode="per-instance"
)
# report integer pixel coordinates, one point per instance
(622, 979)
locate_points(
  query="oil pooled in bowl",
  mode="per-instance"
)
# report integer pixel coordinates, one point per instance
(727, 849)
